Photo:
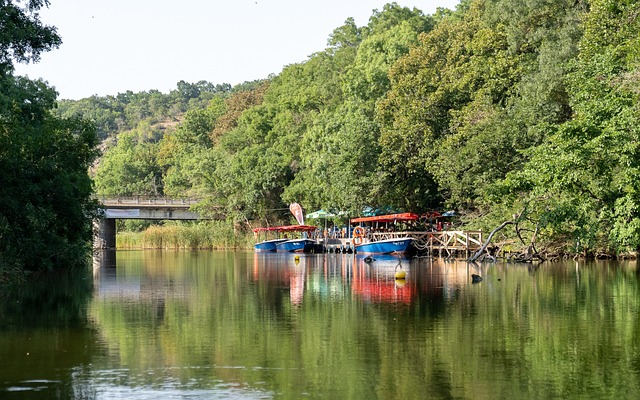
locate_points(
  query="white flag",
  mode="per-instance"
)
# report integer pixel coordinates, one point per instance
(296, 210)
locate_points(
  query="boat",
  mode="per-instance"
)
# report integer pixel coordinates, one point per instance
(399, 246)
(379, 235)
(268, 245)
(285, 244)
(304, 245)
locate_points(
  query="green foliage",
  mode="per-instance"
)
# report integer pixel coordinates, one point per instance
(339, 152)
(126, 111)
(23, 36)
(130, 168)
(442, 74)
(393, 15)
(592, 159)
(497, 107)
(45, 206)
(182, 154)
(44, 188)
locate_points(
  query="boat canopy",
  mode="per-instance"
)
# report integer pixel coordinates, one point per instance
(286, 228)
(387, 218)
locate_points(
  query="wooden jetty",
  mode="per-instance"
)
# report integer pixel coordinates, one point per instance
(441, 243)
(437, 243)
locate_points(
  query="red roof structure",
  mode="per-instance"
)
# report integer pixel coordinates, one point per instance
(387, 218)
(286, 228)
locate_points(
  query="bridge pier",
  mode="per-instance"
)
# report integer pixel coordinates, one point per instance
(104, 232)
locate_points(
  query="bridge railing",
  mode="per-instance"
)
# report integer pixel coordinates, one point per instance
(143, 200)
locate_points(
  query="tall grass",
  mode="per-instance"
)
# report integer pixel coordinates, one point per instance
(194, 235)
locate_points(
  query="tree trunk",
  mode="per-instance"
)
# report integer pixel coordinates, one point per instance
(486, 243)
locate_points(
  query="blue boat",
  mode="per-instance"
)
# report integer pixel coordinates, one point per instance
(296, 246)
(379, 234)
(268, 245)
(285, 244)
(399, 246)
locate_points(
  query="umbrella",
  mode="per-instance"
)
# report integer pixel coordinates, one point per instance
(324, 214)
(368, 212)
(320, 214)
(371, 212)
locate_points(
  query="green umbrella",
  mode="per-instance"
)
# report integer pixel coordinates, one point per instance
(320, 214)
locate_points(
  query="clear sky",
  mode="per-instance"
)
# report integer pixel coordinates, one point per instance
(111, 46)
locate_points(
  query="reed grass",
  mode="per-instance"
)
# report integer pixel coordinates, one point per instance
(129, 240)
(195, 235)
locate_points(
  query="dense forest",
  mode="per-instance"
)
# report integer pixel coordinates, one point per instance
(508, 111)
(514, 113)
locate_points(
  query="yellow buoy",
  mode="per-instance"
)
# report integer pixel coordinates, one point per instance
(296, 259)
(400, 274)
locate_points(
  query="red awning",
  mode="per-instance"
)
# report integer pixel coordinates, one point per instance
(287, 228)
(388, 218)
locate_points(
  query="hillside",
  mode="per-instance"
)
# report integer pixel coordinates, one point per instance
(502, 110)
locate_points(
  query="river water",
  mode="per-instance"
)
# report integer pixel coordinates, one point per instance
(204, 325)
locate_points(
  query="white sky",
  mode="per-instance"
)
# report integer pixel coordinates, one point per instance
(111, 46)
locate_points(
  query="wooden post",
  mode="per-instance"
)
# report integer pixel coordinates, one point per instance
(466, 250)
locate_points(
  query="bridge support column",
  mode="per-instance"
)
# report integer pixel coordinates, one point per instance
(104, 233)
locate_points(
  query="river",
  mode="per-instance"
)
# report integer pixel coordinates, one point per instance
(203, 325)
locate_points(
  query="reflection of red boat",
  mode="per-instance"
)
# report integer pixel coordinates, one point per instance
(383, 291)
(377, 283)
(374, 282)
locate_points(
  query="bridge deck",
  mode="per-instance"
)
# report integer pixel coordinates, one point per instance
(142, 202)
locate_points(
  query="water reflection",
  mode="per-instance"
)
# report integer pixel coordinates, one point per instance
(244, 325)
(374, 281)
(330, 276)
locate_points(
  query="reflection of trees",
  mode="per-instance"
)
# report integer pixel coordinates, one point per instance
(44, 335)
(553, 331)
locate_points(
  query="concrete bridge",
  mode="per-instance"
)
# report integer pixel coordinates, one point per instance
(138, 208)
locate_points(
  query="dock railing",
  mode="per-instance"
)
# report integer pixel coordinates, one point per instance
(440, 241)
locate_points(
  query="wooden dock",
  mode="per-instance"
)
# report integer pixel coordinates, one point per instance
(439, 243)
(442, 243)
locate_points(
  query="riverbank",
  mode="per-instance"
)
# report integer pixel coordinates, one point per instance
(221, 235)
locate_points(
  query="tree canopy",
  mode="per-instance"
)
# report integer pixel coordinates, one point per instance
(45, 191)
(497, 109)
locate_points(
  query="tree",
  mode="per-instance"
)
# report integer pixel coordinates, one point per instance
(23, 37)
(584, 176)
(45, 191)
(183, 154)
(130, 168)
(484, 85)
(452, 64)
(340, 147)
